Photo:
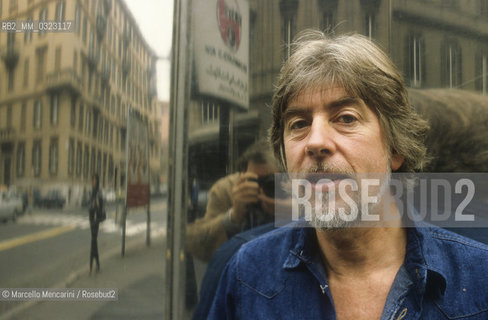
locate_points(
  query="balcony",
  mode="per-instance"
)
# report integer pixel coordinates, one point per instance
(10, 55)
(7, 134)
(65, 79)
(101, 26)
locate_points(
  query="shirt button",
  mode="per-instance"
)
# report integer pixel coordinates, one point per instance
(402, 314)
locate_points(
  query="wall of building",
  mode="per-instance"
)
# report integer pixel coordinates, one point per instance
(95, 73)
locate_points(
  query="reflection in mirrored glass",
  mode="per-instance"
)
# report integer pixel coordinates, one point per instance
(234, 50)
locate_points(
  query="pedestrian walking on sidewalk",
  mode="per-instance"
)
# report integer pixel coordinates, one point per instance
(96, 209)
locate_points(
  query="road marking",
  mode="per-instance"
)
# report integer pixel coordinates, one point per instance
(9, 244)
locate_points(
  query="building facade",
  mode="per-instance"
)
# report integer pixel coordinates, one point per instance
(65, 96)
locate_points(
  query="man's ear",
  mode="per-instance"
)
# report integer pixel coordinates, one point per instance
(396, 161)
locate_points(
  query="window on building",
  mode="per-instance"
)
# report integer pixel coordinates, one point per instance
(42, 17)
(370, 25)
(54, 108)
(37, 114)
(20, 159)
(110, 173)
(93, 161)
(451, 76)
(328, 22)
(23, 114)
(210, 112)
(85, 26)
(106, 131)
(122, 139)
(40, 52)
(28, 31)
(482, 72)
(26, 73)
(87, 121)
(36, 158)
(77, 18)
(60, 11)
(83, 72)
(9, 116)
(10, 40)
(13, 6)
(288, 34)
(79, 158)
(484, 7)
(449, 3)
(288, 11)
(95, 125)
(92, 42)
(81, 115)
(416, 60)
(73, 112)
(111, 137)
(57, 59)
(90, 77)
(99, 165)
(75, 62)
(53, 156)
(86, 163)
(11, 80)
(71, 156)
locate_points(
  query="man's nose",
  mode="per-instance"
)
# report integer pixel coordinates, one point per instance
(321, 139)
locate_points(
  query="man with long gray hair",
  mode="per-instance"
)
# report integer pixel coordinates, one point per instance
(341, 110)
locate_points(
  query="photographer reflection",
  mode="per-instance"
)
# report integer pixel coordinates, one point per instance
(236, 202)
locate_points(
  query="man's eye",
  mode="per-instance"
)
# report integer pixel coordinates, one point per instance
(299, 124)
(347, 118)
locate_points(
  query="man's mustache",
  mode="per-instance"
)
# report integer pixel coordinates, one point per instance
(326, 171)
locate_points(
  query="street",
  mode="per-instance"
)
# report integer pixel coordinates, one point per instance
(50, 249)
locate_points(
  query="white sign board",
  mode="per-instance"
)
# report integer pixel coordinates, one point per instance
(221, 49)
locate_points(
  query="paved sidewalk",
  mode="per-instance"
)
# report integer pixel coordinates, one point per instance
(138, 277)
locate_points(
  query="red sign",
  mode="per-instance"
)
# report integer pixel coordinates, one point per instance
(230, 23)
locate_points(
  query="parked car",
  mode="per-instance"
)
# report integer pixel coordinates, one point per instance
(53, 199)
(10, 206)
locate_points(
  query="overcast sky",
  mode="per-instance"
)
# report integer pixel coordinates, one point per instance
(155, 20)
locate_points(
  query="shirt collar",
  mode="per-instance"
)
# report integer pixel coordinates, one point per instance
(425, 265)
(302, 247)
(424, 261)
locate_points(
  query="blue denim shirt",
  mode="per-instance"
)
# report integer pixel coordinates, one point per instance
(280, 276)
(217, 265)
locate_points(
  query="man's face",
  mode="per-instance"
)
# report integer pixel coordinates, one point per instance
(328, 131)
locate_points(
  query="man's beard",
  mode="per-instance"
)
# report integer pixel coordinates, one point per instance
(325, 216)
